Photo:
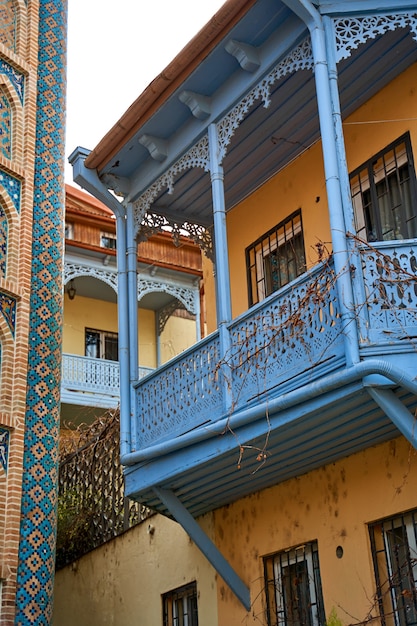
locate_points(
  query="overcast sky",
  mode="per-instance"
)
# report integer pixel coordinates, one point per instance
(115, 49)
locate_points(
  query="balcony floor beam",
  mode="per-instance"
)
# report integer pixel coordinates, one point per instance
(204, 543)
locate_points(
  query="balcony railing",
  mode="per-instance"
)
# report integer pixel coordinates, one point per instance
(100, 377)
(294, 334)
(390, 293)
(293, 337)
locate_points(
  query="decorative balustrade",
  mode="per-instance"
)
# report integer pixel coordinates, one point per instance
(99, 376)
(390, 277)
(296, 331)
(181, 395)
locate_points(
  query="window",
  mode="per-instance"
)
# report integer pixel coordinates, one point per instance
(69, 230)
(101, 344)
(293, 587)
(384, 194)
(180, 606)
(276, 258)
(394, 553)
(108, 240)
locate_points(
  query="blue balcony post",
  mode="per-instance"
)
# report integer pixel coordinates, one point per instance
(354, 255)
(312, 18)
(222, 274)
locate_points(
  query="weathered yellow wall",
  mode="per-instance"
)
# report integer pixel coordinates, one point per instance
(121, 583)
(302, 184)
(333, 505)
(82, 313)
(178, 335)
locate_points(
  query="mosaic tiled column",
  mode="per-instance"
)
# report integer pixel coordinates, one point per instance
(35, 576)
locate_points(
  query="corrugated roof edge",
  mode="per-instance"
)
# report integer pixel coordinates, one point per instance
(167, 81)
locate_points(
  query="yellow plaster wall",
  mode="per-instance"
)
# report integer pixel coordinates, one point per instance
(178, 335)
(121, 583)
(82, 313)
(331, 505)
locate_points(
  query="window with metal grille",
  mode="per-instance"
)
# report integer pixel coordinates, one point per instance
(101, 344)
(394, 554)
(384, 194)
(276, 258)
(293, 587)
(180, 606)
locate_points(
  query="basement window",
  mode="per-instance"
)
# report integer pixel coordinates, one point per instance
(293, 587)
(384, 194)
(276, 258)
(180, 606)
(394, 554)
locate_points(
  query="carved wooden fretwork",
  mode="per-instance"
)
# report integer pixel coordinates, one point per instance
(185, 296)
(74, 270)
(350, 32)
(298, 59)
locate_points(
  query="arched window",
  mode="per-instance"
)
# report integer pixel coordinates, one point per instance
(5, 125)
(8, 20)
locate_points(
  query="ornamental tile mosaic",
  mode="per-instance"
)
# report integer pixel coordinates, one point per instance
(13, 186)
(8, 310)
(8, 21)
(35, 575)
(5, 126)
(16, 78)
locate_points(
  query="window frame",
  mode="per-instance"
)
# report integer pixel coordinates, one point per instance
(276, 585)
(366, 179)
(283, 235)
(102, 335)
(185, 595)
(394, 606)
(108, 240)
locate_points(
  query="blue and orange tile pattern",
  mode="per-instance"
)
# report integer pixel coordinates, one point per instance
(35, 576)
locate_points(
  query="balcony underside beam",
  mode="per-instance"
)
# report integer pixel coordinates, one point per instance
(396, 411)
(204, 543)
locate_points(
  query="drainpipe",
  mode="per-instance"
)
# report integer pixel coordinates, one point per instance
(311, 17)
(89, 180)
(363, 371)
(132, 289)
(223, 299)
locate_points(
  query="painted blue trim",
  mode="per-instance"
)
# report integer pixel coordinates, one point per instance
(365, 7)
(286, 401)
(204, 543)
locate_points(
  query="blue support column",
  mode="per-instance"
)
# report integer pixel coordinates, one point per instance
(309, 14)
(204, 543)
(222, 274)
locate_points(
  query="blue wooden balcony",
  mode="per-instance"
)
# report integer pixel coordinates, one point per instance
(283, 398)
(92, 382)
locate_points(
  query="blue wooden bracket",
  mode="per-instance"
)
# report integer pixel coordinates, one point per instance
(207, 547)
